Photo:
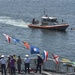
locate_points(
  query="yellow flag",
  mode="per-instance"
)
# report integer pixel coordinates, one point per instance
(64, 60)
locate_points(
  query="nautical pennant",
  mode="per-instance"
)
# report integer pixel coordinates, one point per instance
(26, 45)
(16, 40)
(45, 55)
(7, 37)
(34, 50)
(56, 57)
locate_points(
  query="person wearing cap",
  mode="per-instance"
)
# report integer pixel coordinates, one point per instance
(27, 63)
(3, 64)
(39, 63)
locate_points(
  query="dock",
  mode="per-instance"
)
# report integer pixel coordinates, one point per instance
(32, 73)
(42, 73)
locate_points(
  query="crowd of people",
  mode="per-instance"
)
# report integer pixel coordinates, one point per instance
(10, 63)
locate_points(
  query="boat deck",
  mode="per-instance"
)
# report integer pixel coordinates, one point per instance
(32, 73)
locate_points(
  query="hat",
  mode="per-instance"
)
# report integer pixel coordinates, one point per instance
(2, 55)
(8, 56)
(38, 54)
(26, 55)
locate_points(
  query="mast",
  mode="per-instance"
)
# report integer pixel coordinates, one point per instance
(44, 11)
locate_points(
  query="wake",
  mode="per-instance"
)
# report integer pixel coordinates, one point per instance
(11, 21)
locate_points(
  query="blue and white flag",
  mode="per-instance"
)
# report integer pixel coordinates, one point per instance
(34, 50)
(16, 40)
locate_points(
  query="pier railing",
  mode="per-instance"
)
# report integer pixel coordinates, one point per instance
(50, 65)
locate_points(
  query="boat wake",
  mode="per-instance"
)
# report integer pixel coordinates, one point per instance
(14, 22)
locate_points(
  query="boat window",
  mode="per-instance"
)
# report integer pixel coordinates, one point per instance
(53, 20)
(50, 20)
(43, 19)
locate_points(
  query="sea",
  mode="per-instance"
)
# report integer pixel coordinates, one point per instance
(15, 15)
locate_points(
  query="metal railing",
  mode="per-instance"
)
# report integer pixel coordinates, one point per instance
(50, 65)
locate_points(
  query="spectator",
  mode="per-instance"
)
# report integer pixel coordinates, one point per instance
(39, 63)
(8, 63)
(12, 65)
(14, 57)
(19, 62)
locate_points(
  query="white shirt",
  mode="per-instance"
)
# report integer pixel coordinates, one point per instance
(2, 61)
(26, 60)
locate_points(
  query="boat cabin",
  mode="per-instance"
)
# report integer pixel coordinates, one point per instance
(45, 20)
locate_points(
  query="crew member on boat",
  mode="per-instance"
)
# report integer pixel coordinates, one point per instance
(33, 21)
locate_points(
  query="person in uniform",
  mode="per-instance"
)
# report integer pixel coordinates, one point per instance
(27, 63)
(33, 21)
(3, 64)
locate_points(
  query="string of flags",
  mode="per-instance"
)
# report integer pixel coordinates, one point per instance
(33, 49)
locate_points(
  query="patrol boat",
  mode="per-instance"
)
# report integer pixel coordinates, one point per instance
(50, 23)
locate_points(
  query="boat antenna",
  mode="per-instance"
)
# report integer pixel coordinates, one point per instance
(44, 11)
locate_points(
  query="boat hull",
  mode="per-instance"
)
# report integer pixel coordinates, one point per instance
(61, 27)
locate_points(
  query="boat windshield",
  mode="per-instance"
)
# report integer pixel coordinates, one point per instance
(49, 19)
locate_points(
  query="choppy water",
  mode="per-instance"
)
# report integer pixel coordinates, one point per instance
(15, 15)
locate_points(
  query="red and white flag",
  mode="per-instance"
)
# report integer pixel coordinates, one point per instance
(7, 37)
(56, 58)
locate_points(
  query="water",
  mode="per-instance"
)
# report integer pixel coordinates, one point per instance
(15, 15)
